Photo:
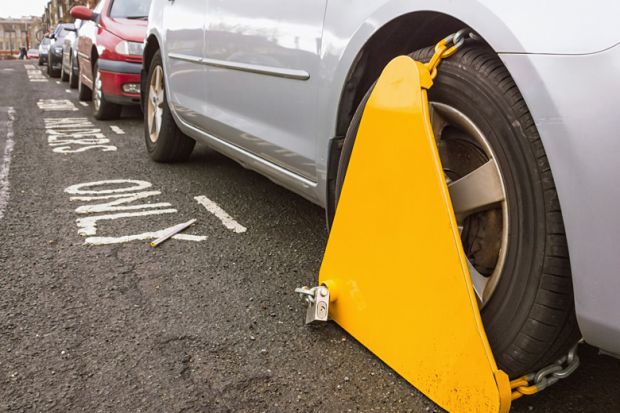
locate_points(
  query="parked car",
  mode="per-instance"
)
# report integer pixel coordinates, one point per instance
(32, 54)
(69, 71)
(44, 50)
(54, 63)
(281, 90)
(110, 45)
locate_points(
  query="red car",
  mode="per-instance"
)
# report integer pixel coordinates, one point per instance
(109, 46)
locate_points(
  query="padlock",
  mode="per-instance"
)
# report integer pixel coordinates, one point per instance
(318, 308)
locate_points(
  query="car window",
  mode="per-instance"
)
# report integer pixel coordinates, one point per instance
(130, 8)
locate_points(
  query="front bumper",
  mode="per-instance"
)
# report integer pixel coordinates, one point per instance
(574, 101)
(116, 74)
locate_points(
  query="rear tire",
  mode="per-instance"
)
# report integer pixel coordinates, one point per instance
(164, 140)
(530, 317)
(64, 76)
(102, 108)
(74, 76)
(84, 93)
(51, 72)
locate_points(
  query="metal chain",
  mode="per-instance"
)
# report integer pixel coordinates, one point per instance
(545, 377)
(446, 48)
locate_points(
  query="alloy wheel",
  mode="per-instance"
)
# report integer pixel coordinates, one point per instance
(98, 95)
(478, 195)
(155, 103)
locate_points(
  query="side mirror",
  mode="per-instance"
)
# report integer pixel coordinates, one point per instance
(83, 13)
(52, 36)
(71, 29)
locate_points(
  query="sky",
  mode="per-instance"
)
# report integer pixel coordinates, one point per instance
(18, 8)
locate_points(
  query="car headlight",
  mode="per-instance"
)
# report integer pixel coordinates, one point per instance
(129, 48)
(58, 49)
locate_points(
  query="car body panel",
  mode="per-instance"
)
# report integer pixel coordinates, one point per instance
(100, 38)
(184, 31)
(44, 47)
(536, 41)
(69, 50)
(289, 63)
(55, 52)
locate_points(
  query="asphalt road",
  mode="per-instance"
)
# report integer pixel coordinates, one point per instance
(94, 319)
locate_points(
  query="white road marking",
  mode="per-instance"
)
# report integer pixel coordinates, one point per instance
(118, 193)
(88, 225)
(49, 105)
(78, 189)
(228, 221)
(65, 133)
(83, 103)
(68, 90)
(9, 69)
(58, 82)
(117, 130)
(115, 205)
(34, 74)
(5, 163)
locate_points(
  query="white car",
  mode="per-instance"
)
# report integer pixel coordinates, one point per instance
(527, 108)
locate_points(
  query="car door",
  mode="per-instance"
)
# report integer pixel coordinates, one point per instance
(262, 62)
(86, 39)
(184, 22)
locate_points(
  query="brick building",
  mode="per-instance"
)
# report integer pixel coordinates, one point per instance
(20, 32)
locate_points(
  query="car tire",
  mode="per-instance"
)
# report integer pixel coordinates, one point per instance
(40, 62)
(164, 140)
(84, 93)
(50, 69)
(74, 76)
(64, 76)
(530, 317)
(102, 108)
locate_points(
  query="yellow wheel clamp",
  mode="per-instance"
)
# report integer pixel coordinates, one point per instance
(396, 275)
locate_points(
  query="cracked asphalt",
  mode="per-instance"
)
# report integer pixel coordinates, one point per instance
(205, 324)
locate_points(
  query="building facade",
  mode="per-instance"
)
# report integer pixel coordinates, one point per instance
(21, 32)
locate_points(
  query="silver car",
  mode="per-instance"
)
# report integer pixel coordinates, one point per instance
(522, 114)
(69, 70)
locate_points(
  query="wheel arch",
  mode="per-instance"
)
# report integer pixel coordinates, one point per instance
(400, 35)
(150, 48)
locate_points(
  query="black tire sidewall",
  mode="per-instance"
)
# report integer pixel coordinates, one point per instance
(84, 93)
(508, 309)
(171, 144)
(74, 76)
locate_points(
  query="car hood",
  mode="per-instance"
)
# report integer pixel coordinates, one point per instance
(132, 30)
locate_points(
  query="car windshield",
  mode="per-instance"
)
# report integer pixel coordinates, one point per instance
(45, 42)
(130, 9)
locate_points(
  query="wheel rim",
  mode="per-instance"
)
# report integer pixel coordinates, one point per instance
(98, 92)
(155, 103)
(478, 195)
